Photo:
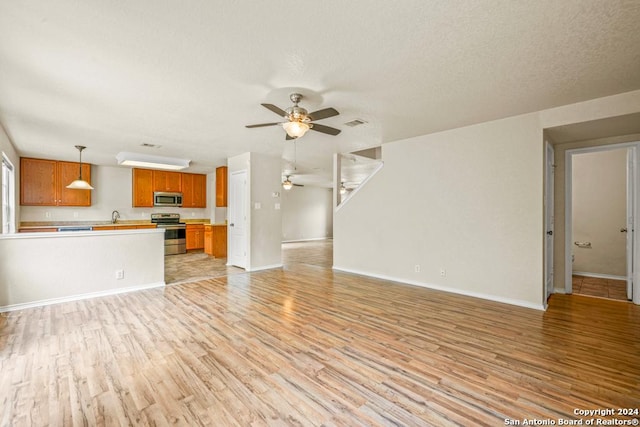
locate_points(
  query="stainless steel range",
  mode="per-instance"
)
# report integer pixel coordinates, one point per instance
(175, 234)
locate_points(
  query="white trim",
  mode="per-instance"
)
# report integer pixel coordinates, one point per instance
(599, 276)
(264, 267)
(362, 184)
(307, 240)
(520, 303)
(40, 303)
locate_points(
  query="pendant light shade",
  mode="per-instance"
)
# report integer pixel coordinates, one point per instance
(295, 129)
(80, 184)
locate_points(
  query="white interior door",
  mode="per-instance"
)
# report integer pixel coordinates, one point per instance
(629, 226)
(549, 218)
(237, 220)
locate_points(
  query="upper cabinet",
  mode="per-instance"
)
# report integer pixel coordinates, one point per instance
(43, 183)
(167, 181)
(194, 194)
(221, 186)
(142, 191)
(146, 181)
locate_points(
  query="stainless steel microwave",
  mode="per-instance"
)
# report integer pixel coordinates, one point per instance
(161, 198)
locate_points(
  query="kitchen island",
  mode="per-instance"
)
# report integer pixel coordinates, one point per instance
(42, 268)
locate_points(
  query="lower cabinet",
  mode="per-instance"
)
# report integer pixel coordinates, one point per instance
(215, 240)
(195, 236)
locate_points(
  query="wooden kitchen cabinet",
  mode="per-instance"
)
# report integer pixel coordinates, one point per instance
(195, 236)
(167, 181)
(215, 240)
(44, 183)
(142, 192)
(194, 190)
(221, 186)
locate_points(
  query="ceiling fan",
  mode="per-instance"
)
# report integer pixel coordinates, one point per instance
(299, 121)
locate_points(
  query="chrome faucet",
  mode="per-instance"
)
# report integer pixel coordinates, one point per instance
(115, 216)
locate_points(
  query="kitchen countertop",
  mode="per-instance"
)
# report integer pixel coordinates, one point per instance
(56, 224)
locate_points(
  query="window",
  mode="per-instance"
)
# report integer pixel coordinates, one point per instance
(8, 198)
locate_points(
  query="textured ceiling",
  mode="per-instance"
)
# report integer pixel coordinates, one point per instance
(188, 76)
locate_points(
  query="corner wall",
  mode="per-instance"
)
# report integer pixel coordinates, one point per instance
(470, 204)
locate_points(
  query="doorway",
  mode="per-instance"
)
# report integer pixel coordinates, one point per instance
(600, 205)
(237, 228)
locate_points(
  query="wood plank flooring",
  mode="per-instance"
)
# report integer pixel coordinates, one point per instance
(305, 345)
(602, 288)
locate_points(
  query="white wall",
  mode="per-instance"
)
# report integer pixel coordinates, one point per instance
(113, 191)
(307, 213)
(470, 202)
(47, 267)
(266, 212)
(264, 219)
(599, 195)
(7, 148)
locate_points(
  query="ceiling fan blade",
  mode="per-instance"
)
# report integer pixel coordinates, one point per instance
(262, 125)
(288, 138)
(323, 114)
(298, 185)
(277, 110)
(325, 129)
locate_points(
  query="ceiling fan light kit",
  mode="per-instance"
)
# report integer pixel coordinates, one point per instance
(295, 129)
(299, 120)
(287, 184)
(80, 184)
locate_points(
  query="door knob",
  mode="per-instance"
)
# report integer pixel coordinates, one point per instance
(623, 230)
(550, 232)
(231, 225)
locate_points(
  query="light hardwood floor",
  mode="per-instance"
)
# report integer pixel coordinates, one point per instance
(305, 345)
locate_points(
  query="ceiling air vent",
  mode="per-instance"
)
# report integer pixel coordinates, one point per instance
(146, 144)
(354, 123)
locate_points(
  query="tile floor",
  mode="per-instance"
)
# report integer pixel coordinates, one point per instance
(196, 265)
(597, 287)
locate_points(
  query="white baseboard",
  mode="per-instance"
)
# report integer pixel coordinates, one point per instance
(559, 291)
(598, 275)
(264, 267)
(480, 295)
(40, 303)
(307, 240)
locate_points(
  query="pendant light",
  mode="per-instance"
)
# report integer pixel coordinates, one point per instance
(80, 184)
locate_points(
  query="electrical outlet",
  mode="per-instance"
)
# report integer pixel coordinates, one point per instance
(119, 274)
(443, 272)
(47, 214)
(417, 268)
(75, 214)
(277, 206)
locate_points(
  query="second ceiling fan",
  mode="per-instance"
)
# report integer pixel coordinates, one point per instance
(299, 121)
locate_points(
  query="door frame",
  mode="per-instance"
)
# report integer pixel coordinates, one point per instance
(549, 218)
(568, 213)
